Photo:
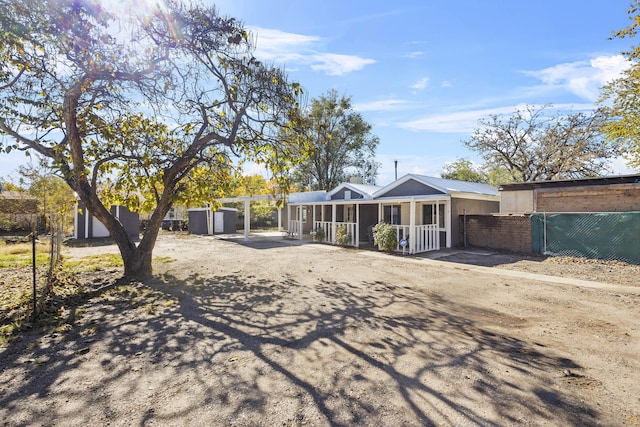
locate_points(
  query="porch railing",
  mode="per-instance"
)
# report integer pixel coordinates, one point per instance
(294, 230)
(402, 232)
(325, 226)
(329, 231)
(426, 238)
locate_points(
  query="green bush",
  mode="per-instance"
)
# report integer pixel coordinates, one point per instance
(385, 236)
(318, 234)
(342, 237)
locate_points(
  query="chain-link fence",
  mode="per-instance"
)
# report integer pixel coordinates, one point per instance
(43, 285)
(56, 246)
(608, 236)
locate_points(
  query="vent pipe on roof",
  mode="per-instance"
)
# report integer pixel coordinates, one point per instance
(396, 163)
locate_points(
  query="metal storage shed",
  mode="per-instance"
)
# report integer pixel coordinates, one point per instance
(86, 226)
(204, 221)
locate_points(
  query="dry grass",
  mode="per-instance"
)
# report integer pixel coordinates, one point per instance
(93, 263)
(16, 285)
(20, 254)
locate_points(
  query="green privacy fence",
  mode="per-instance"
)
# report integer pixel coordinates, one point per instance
(609, 236)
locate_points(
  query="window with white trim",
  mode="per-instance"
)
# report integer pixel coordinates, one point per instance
(392, 214)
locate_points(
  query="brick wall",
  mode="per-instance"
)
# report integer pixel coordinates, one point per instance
(504, 232)
(619, 198)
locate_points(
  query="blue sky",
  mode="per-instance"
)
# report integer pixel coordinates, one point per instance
(423, 72)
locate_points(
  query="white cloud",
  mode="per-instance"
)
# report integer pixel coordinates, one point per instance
(383, 105)
(336, 65)
(421, 165)
(457, 122)
(420, 84)
(620, 166)
(300, 50)
(446, 83)
(467, 121)
(414, 54)
(583, 78)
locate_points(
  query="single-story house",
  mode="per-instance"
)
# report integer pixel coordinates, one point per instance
(86, 226)
(603, 194)
(423, 209)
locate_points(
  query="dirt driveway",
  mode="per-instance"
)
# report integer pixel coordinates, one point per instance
(272, 333)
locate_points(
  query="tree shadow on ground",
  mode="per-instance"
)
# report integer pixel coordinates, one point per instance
(229, 349)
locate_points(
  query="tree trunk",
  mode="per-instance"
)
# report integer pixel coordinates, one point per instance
(138, 265)
(138, 259)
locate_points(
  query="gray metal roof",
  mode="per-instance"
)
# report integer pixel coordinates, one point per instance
(447, 186)
(366, 190)
(453, 185)
(308, 197)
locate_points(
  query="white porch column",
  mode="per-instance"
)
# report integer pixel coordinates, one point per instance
(288, 217)
(357, 225)
(380, 216)
(412, 226)
(313, 224)
(447, 221)
(87, 234)
(280, 219)
(75, 222)
(300, 218)
(247, 219)
(333, 222)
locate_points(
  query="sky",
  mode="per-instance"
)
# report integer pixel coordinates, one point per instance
(423, 72)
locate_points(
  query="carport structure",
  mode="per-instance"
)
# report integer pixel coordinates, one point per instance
(246, 200)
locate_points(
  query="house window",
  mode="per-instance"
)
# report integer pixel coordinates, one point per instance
(429, 214)
(304, 214)
(392, 214)
(350, 214)
(347, 194)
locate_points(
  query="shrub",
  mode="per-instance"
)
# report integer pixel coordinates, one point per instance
(385, 236)
(318, 234)
(342, 237)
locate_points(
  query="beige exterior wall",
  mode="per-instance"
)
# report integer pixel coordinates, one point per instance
(517, 201)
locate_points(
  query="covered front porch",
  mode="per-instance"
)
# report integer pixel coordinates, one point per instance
(422, 224)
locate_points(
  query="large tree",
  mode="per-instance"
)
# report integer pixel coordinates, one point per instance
(336, 144)
(532, 145)
(145, 108)
(620, 99)
(464, 170)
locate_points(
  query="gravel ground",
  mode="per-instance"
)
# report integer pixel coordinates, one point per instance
(274, 333)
